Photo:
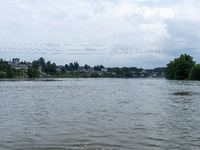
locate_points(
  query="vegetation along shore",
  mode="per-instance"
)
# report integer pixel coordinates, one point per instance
(40, 68)
(182, 68)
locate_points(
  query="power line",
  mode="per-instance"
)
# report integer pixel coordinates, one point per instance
(97, 45)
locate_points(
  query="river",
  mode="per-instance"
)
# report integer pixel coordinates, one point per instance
(99, 113)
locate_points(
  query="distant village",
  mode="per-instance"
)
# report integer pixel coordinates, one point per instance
(86, 70)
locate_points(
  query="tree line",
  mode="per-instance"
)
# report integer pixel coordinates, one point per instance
(51, 69)
(179, 69)
(183, 68)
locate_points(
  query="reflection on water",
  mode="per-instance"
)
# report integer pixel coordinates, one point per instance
(99, 114)
(182, 93)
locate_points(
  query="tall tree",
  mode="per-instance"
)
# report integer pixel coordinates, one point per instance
(179, 69)
(2, 65)
(41, 61)
(35, 64)
(98, 68)
(86, 66)
(76, 65)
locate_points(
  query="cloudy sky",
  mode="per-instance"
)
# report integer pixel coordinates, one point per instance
(138, 33)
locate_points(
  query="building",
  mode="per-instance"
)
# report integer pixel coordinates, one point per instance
(144, 72)
(91, 70)
(15, 61)
(29, 64)
(21, 66)
(82, 69)
(142, 75)
(58, 70)
(104, 70)
(40, 69)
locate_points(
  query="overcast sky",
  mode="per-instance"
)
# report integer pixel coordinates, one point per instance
(137, 33)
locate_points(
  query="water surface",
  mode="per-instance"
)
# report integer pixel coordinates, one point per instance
(99, 114)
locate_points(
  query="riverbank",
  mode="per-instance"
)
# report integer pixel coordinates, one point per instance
(97, 76)
(87, 76)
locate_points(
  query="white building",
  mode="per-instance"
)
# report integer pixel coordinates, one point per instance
(21, 66)
(104, 70)
(144, 72)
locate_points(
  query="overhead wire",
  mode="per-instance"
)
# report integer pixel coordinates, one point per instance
(19, 46)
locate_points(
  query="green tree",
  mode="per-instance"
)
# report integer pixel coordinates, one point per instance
(119, 72)
(49, 62)
(50, 68)
(63, 71)
(127, 73)
(47, 69)
(195, 72)
(98, 68)
(86, 66)
(41, 61)
(33, 72)
(17, 72)
(71, 66)
(179, 69)
(53, 68)
(76, 66)
(66, 66)
(5, 67)
(94, 75)
(35, 64)
(2, 65)
(30, 72)
(10, 72)
(6, 63)
(170, 70)
(2, 74)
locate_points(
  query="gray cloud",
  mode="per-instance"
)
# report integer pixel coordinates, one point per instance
(124, 30)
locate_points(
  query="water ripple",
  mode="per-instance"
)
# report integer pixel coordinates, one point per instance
(99, 114)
